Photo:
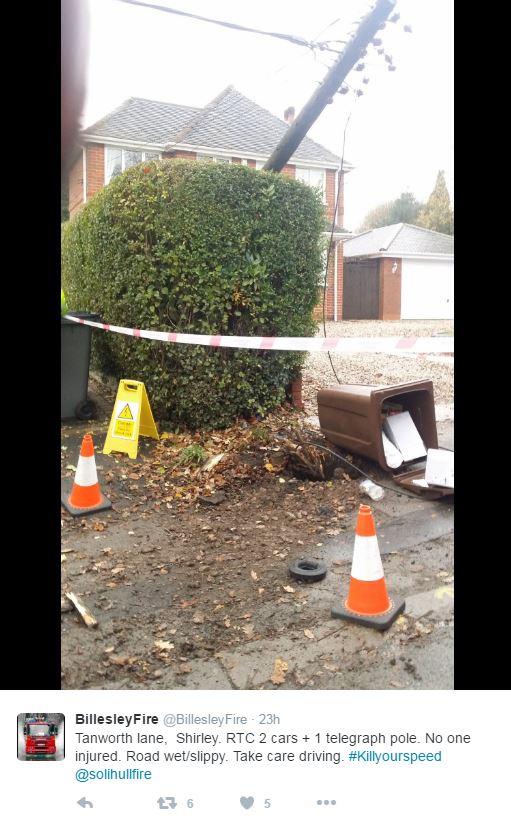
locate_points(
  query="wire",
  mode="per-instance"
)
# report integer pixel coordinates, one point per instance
(320, 45)
(385, 486)
(298, 41)
(332, 236)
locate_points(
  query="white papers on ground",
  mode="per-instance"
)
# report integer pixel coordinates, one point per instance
(403, 433)
(440, 468)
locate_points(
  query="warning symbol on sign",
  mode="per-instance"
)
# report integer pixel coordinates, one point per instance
(131, 417)
(126, 413)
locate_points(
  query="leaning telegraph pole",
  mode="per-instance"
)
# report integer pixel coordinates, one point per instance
(351, 53)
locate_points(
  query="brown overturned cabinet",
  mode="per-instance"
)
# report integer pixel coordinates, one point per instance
(351, 416)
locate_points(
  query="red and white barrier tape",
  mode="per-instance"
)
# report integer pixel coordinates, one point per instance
(354, 345)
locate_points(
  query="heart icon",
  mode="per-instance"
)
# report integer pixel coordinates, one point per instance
(246, 802)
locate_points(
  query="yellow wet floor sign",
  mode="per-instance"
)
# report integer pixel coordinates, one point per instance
(131, 417)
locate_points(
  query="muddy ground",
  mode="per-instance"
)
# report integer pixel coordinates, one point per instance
(193, 594)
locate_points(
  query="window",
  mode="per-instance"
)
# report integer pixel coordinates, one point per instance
(205, 157)
(118, 159)
(132, 157)
(313, 177)
(113, 163)
(39, 729)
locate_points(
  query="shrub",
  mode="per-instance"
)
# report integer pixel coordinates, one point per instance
(205, 248)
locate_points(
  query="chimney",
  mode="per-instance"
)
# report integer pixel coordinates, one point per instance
(289, 115)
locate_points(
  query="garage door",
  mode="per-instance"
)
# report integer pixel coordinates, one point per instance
(427, 290)
(361, 290)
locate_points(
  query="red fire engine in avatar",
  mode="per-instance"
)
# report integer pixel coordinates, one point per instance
(40, 736)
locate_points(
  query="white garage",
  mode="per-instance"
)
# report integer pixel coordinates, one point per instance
(427, 289)
(398, 272)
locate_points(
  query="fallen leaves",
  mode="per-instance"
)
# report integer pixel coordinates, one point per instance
(121, 659)
(186, 467)
(163, 645)
(183, 668)
(279, 671)
(309, 634)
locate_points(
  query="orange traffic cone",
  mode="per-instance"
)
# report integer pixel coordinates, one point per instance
(85, 496)
(368, 602)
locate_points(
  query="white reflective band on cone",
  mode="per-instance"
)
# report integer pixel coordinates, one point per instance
(366, 559)
(86, 474)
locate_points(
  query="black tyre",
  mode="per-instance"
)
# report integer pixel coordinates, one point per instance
(308, 570)
(86, 410)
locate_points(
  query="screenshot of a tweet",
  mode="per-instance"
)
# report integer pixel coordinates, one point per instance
(251, 623)
(261, 759)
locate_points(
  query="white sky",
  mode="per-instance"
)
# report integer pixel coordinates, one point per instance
(400, 132)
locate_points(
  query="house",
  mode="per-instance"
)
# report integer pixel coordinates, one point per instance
(399, 272)
(231, 129)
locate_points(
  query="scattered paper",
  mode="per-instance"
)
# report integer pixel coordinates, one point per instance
(392, 455)
(440, 468)
(403, 433)
(213, 461)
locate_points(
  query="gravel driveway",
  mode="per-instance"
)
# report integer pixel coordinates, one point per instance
(380, 369)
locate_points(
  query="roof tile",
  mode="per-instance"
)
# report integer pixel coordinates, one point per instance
(230, 122)
(399, 240)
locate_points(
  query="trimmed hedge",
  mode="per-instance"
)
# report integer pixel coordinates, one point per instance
(199, 247)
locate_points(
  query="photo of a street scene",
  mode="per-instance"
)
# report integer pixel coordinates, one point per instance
(257, 411)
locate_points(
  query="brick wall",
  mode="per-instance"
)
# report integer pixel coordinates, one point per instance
(76, 186)
(390, 290)
(94, 176)
(95, 168)
(330, 194)
(340, 208)
(331, 177)
(340, 278)
(330, 291)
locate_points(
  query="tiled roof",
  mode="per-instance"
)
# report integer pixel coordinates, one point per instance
(230, 122)
(234, 122)
(399, 240)
(139, 119)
